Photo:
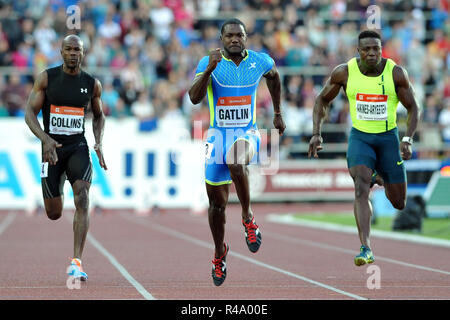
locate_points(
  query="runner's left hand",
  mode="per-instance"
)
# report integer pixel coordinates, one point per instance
(278, 123)
(405, 150)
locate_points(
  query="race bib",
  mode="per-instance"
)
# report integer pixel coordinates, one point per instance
(66, 120)
(371, 107)
(208, 150)
(44, 169)
(233, 111)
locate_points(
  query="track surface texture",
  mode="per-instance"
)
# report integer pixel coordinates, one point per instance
(167, 256)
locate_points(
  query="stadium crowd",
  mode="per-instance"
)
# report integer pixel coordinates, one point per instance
(145, 54)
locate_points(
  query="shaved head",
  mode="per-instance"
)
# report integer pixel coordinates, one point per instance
(72, 38)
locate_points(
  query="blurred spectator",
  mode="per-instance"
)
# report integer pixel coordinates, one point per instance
(129, 94)
(45, 36)
(431, 112)
(444, 121)
(110, 29)
(145, 52)
(14, 96)
(142, 108)
(208, 8)
(110, 98)
(120, 111)
(293, 119)
(161, 17)
(299, 51)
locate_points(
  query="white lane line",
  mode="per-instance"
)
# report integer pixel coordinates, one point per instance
(204, 244)
(289, 219)
(334, 248)
(7, 221)
(140, 288)
(352, 252)
(271, 218)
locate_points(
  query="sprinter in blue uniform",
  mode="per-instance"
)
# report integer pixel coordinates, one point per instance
(230, 78)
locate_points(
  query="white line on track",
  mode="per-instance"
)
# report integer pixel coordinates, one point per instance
(352, 252)
(204, 244)
(7, 221)
(335, 248)
(140, 288)
(120, 268)
(289, 219)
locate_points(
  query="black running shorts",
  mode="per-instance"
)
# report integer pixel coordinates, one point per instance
(74, 163)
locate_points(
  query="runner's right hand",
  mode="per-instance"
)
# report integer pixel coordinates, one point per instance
(215, 56)
(49, 151)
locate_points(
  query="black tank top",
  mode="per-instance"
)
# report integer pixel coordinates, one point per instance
(67, 98)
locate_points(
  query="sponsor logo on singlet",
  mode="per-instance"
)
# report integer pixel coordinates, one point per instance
(371, 106)
(233, 111)
(66, 120)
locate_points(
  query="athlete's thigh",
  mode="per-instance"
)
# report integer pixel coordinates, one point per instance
(244, 149)
(218, 194)
(79, 166)
(54, 206)
(53, 177)
(389, 162)
(396, 193)
(360, 150)
(216, 170)
(361, 174)
(240, 153)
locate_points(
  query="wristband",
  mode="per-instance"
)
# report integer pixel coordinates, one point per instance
(408, 140)
(97, 146)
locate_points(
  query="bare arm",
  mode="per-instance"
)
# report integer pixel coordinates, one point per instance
(98, 122)
(406, 95)
(201, 81)
(274, 85)
(199, 86)
(32, 109)
(34, 106)
(333, 85)
(331, 89)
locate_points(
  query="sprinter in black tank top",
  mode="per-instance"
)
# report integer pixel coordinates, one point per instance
(63, 94)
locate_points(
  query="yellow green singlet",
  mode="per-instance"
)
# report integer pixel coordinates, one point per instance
(372, 100)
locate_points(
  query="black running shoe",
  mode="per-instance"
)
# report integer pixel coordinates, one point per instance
(252, 235)
(219, 270)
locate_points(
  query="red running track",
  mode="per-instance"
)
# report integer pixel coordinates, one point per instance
(168, 257)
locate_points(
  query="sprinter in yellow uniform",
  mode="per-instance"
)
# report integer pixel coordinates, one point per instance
(374, 86)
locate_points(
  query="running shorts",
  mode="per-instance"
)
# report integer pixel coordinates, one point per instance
(74, 163)
(378, 151)
(218, 143)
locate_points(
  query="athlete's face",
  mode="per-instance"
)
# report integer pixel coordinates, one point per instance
(370, 51)
(234, 39)
(72, 53)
